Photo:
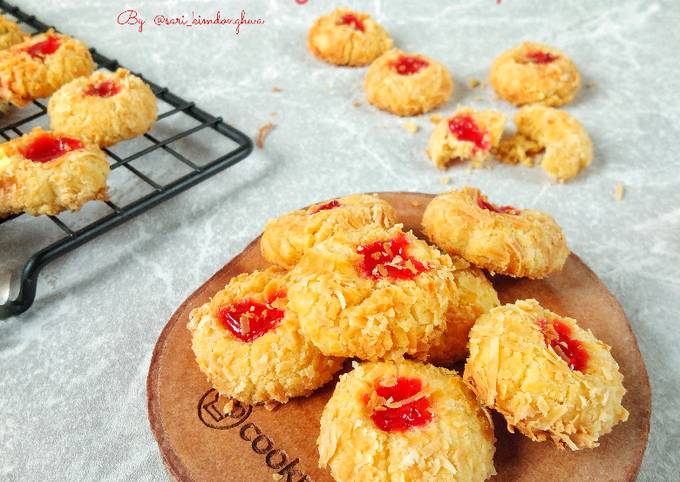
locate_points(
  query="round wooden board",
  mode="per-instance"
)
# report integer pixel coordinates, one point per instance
(199, 442)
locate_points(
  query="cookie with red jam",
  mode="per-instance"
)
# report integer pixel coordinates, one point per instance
(46, 173)
(535, 73)
(403, 420)
(103, 108)
(248, 344)
(407, 84)
(346, 37)
(550, 378)
(521, 243)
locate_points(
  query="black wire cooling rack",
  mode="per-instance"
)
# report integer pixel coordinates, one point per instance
(180, 112)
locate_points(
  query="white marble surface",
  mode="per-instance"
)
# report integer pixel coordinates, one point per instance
(72, 382)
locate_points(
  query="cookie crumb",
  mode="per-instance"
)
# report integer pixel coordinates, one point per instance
(356, 104)
(435, 118)
(277, 89)
(411, 127)
(618, 191)
(273, 114)
(228, 407)
(591, 84)
(262, 133)
(474, 83)
(277, 476)
(444, 180)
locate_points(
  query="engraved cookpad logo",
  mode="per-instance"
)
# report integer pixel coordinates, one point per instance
(223, 413)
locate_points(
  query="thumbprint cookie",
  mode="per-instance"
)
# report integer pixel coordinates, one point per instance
(467, 135)
(10, 33)
(286, 238)
(46, 173)
(535, 73)
(550, 378)
(104, 108)
(406, 421)
(565, 145)
(472, 296)
(350, 38)
(247, 342)
(40, 65)
(502, 239)
(372, 293)
(407, 84)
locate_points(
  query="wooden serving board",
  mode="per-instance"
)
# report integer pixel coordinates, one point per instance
(199, 442)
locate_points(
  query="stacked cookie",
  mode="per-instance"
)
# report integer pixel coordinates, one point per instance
(349, 283)
(532, 75)
(46, 172)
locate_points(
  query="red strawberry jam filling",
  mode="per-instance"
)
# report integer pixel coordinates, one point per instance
(484, 204)
(401, 406)
(325, 207)
(388, 259)
(538, 57)
(558, 335)
(353, 21)
(107, 88)
(248, 319)
(464, 128)
(407, 65)
(45, 147)
(40, 50)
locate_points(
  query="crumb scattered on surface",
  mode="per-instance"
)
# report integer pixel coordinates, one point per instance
(277, 89)
(435, 118)
(356, 104)
(277, 476)
(228, 407)
(474, 83)
(273, 113)
(591, 84)
(411, 127)
(262, 133)
(618, 191)
(444, 180)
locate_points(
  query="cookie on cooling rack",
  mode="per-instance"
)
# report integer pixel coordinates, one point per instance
(372, 293)
(286, 238)
(345, 37)
(467, 135)
(40, 65)
(549, 378)
(404, 420)
(535, 73)
(407, 84)
(502, 239)
(247, 342)
(550, 137)
(45, 173)
(10, 33)
(104, 108)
